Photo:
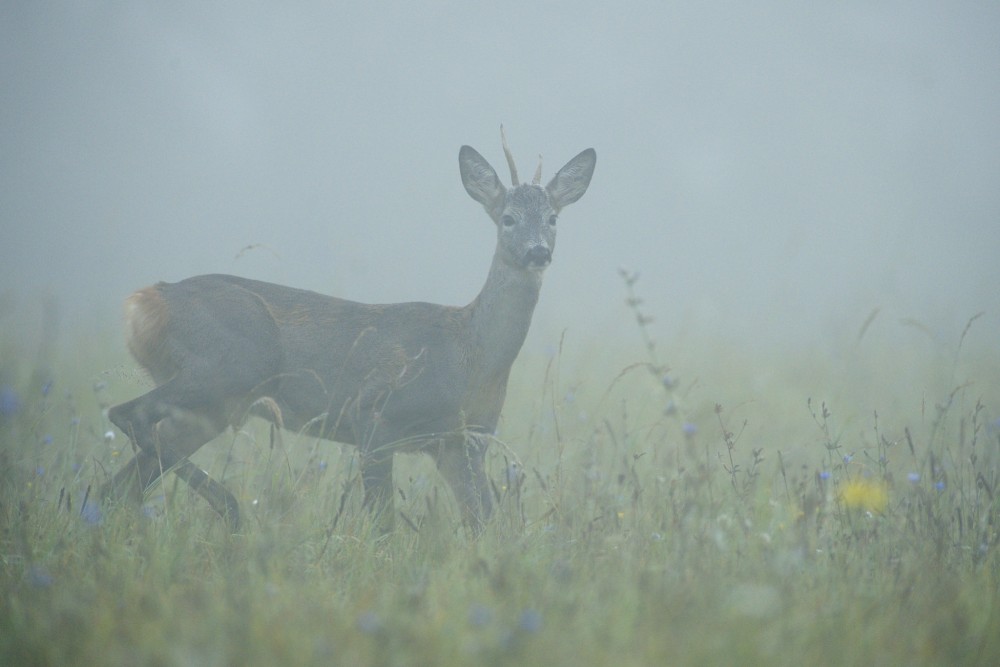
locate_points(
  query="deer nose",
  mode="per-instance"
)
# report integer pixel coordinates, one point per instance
(538, 256)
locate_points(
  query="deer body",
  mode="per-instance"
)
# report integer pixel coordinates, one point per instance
(385, 378)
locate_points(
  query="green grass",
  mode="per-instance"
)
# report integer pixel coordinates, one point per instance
(802, 506)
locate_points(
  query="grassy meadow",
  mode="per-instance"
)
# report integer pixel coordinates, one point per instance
(672, 503)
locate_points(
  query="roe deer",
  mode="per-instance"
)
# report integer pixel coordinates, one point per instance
(385, 378)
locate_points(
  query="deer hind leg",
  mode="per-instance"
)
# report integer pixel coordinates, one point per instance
(167, 425)
(376, 477)
(462, 463)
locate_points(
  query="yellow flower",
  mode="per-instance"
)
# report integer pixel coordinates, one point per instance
(865, 494)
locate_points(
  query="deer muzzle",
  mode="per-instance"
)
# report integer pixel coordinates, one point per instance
(537, 257)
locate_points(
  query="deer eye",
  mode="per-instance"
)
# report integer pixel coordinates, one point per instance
(552, 220)
(508, 221)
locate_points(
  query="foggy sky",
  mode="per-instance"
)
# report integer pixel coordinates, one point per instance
(774, 170)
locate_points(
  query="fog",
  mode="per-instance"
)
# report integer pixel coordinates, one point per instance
(775, 171)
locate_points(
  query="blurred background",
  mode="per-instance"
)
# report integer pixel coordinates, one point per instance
(775, 171)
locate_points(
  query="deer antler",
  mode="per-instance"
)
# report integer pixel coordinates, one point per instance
(510, 158)
(538, 172)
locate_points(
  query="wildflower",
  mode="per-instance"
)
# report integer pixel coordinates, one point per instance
(40, 471)
(369, 623)
(939, 485)
(46, 439)
(321, 466)
(865, 494)
(109, 436)
(667, 381)
(513, 474)
(824, 475)
(913, 477)
(848, 458)
(46, 388)
(39, 577)
(480, 615)
(530, 621)
(10, 402)
(90, 512)
(689, 429)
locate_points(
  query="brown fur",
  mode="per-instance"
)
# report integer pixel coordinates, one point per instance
(146, 318)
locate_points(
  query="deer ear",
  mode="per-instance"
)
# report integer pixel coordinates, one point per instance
(572, 180)
(479, 178)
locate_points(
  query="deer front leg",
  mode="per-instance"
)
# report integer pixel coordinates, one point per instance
(462, 462)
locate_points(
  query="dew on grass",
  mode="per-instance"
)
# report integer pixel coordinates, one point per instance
(754, 600)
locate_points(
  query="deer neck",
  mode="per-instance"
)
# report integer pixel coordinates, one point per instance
(501, 314)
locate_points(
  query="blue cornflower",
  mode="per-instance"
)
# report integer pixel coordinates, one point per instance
(40, 471)
(39, 577)
(91, 513)
(370, 623)
(939, 485)
(689, 429)
(46, 439)
(530, 621)
(10, 402)
(480, 615)
(913, 477)
(47, 387)
(824, 475)
(513, 473)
